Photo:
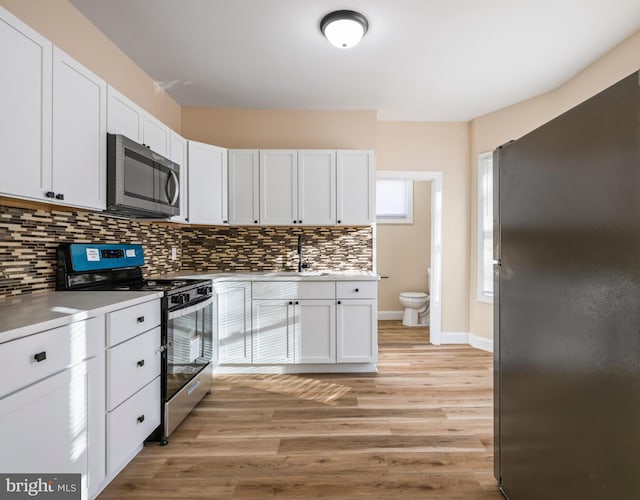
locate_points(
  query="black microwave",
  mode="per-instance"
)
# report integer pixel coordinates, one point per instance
(140, 182)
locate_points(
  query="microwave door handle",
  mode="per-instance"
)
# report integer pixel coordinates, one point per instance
(177, 192)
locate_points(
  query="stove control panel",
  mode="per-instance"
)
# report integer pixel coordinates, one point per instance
(98, 257)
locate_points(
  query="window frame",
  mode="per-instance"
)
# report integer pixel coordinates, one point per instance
(408, 219)
(485, 226)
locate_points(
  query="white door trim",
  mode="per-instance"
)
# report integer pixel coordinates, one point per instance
(435, 319)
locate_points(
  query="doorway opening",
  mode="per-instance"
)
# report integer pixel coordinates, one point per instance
(435, 180)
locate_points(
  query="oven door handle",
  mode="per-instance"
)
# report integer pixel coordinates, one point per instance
(191, 308)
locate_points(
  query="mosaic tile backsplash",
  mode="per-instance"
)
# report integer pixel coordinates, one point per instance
(29, 238)
(234, 249)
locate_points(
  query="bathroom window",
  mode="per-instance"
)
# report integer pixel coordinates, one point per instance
(394, 201)
(485, 227)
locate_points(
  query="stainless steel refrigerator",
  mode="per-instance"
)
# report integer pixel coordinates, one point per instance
(567, 304)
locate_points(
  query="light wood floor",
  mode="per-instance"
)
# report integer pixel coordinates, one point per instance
(420, 428)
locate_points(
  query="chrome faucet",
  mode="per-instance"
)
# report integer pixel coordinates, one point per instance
(301, 265)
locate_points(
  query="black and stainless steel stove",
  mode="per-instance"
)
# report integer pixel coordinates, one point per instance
(187, 318)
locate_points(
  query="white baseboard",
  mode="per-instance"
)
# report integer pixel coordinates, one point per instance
(454, 338)
(481, 342)
(390, 315)
(476, 341)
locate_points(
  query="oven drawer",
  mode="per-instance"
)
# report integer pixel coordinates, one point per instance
(55, 349)
(357, 289)
(131, 321)
(131, 423)
(131, 365)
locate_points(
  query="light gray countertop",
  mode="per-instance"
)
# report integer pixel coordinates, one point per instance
(283, 276)
(23, 316)
(29, 314)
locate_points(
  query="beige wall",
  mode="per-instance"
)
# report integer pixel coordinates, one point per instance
(442, 147)
(403, 251)
(494, 129)
(68, 29)
(254, 128)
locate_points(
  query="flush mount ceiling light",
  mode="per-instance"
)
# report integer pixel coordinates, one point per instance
(344, 28)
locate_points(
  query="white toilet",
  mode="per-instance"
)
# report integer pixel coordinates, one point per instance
(416, 306)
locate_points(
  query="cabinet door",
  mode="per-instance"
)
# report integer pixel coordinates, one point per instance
(355, 191)
(315, 331)
(357, 331)
(244, 187)
(79, 134)
(156, 135)
(273, 331)
(179, 155)
(234, 322)
(123, 116)
(207, 184)
(278, 187)
(49, 428)
(317, 187)
(25, 109)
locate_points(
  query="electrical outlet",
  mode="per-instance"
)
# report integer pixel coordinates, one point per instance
(174, 253)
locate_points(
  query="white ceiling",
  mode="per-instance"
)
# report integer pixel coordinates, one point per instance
(427, 60)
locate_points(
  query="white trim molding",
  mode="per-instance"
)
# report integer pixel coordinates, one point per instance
(390, 315)
(435, 287)
(482, 343)
(454, 338)
(475, 341)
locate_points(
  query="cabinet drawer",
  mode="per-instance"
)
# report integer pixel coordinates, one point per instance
(56, 349)
(131, 321)
(130, 424)
(131, 365)
(271, 290)
(357, 289)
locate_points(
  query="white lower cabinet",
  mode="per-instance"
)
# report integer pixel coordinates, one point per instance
(316, 331)
(56, 424)
(131, 423)
(273, 331)
(357, 325)
(293, 331)
(133, 361)
(298, 323)
(234, 322)
(356, 331)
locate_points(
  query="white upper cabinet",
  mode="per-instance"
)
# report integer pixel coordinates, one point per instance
(124, 116)
(79, 134)
(156, 135)
(317, 187)
(25, 109)
(207, 184)
(244, 187)
(127, 118)
(356, 206)
(278, 187)
(52, 122)
(178, 150)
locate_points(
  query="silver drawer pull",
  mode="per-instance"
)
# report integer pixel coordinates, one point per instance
(41, 356)
(141, 363)
(140, 319)
(141, 419)
(193, 387)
